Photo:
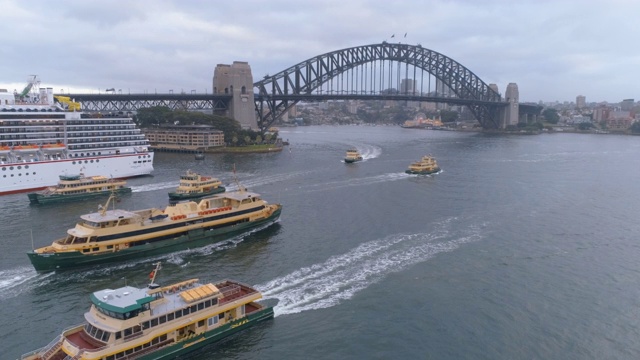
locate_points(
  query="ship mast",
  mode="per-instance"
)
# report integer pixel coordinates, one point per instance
(152, 276)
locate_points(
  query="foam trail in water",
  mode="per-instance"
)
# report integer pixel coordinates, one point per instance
(355, 182)
(369, 151)
(156, 186)
(339, 278)
(265, 180)
(15, 281)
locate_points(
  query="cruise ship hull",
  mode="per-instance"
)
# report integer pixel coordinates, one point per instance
(193, 239)
(31, 176)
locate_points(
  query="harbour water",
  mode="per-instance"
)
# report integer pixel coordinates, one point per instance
(522, 247)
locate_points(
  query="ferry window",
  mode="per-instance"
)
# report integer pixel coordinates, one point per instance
(201, 323)
(221, 316)
(207, 303)
(95, 249)
(194, 308)
(163, 319)
(105, 336)
(145, 325)
(212, 320)
(99, 334)
(154, 322)
(155, 341)
(85, 250)
(170, 317)
(127, 332)
(200, 306)
(119, 355)
(137, 348)
(178, 314)
(146, 345)
(185, 311)
(163, 337)
(129, 351)
(111, 357)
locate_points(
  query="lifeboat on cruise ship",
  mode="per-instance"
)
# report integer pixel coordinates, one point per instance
(25, 148)
(57, 146)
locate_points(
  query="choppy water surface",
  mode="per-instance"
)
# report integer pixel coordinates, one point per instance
(522, 247)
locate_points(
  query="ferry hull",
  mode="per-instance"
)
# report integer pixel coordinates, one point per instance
(210, 337)
(422, 172)
(351, 161)
(194, 239)
(176, 196)
(39, 199)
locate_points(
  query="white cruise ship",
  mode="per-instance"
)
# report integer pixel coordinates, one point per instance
(43, 136)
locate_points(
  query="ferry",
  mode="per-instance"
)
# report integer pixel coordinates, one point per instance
(117, 235)
(426, 165)
(193, 185)
(43, 135)
(157, 322)
(79, 187)
(352, 156)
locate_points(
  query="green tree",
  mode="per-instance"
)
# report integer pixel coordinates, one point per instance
(258, 139)
(153, 116)
(585, 126)
(551, 115)
(447, 116)
(247, 140)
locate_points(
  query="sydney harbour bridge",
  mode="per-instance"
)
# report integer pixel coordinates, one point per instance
(383, 71)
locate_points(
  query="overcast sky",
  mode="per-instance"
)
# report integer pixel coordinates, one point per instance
(554, 50)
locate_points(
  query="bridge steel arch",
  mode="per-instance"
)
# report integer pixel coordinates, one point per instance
(274, 95)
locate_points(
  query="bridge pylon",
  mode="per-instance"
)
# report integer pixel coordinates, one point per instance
(237, 80)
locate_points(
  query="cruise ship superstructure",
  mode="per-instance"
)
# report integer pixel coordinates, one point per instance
(43, 136)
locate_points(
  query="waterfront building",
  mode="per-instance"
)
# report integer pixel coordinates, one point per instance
(581, 101)
(185, 137)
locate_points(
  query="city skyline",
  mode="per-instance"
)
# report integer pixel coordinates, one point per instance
(554, 51)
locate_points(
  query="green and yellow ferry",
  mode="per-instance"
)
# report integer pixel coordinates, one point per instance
(157, 322)
(427, 165)
(352, 156)
(117, 235)
(79, 187)
(193, 185)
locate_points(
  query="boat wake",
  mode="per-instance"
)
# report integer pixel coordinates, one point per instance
(339, 278)
(369, 151)
(355, 182)
(266, 180)
(12, 280)
(156, 186)
(250, 183)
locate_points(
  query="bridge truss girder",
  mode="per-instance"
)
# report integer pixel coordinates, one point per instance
(308, 76)
(134, 102)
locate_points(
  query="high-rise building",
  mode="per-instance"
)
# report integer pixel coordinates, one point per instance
(581, 102)
(626, 104)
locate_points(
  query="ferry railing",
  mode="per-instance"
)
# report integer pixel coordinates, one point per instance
(42, 352)
(51, 347)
